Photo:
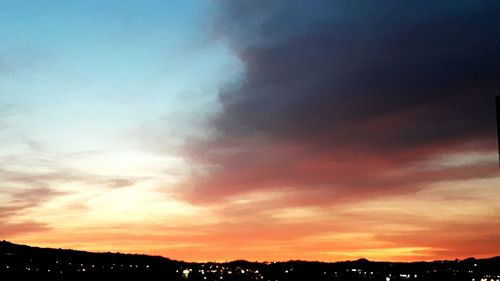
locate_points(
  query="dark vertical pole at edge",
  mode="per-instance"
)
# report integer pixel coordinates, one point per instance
(498, 125)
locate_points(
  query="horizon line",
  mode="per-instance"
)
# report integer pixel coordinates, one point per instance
(244, 260)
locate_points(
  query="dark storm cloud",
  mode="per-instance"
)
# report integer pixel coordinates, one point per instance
(343, 97)
(383, 75)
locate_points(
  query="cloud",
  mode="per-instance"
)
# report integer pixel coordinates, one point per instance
(12, 229)
(36, 177)
(344, 98)
(64, 175)
(33, 196)
(36, 165)
(379, 81)
(468, 239)
(20, 201)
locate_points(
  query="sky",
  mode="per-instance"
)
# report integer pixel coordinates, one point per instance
(258, 130)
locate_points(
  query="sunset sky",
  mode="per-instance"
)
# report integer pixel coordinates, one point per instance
(258, 130)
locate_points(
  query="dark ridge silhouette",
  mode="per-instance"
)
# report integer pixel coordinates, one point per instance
(19, 262)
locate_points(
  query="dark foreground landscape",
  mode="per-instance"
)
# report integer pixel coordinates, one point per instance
(18, 262)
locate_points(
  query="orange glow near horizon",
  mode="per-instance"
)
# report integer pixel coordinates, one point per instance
(256, 130)
(442, 221)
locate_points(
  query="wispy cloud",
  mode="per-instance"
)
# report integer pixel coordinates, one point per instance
(17, 203)
(12, 229)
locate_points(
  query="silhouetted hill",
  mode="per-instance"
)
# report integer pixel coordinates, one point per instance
(19, 262)
(34, 263)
